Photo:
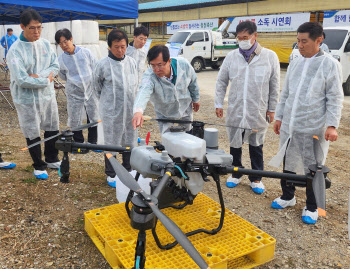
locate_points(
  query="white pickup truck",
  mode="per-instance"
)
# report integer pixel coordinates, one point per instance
(338, 42)
(203, 48)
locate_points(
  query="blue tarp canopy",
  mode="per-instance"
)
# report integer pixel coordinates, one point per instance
(66, 10)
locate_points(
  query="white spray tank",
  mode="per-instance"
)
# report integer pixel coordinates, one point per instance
(182, 145)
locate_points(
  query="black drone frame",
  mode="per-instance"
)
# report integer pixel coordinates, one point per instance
(145, 210)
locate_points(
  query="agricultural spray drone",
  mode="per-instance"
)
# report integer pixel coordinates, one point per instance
(180, 165)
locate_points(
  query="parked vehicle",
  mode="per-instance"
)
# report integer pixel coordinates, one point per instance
(204, 48)
(338, 42)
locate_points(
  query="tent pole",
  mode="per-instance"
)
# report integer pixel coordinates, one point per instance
(136, 22)
(5, 33)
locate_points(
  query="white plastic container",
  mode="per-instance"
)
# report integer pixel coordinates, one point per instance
(185, 146)
(122, 191)
(103, 48)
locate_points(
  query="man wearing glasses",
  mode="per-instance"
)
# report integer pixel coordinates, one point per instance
(33, 64)
(76, 67)
(137, 50)
(254, 73)
(171, 86)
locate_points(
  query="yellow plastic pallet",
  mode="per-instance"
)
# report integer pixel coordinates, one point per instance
(239, 244)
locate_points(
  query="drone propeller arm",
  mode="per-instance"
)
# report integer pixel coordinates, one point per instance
(110, 148)
(318, 182)
(161, 185)
(271, 174)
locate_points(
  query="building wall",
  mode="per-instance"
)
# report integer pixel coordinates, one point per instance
(281, 42)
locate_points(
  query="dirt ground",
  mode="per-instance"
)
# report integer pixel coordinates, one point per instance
(42, 222)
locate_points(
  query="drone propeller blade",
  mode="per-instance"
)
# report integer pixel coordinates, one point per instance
(174, 121)
(85, 126)
(123, 174)
(318, 150)
(319, 188)
(207, 123)
(180, 237)
(41, 141)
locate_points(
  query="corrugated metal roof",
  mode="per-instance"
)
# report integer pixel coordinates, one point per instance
(172, 3)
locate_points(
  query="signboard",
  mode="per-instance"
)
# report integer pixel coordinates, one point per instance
(174, 49)
(336, 18)
(287, 22)
(206, 24)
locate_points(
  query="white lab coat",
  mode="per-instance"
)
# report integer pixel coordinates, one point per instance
(311, 100)
(170, 101)
(116, 85)
(77, 70)
(34, 98)
(253, 91)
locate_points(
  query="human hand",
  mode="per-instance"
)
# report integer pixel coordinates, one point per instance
(50, 77)
(219, 112)
(137, 120)
(34, 76)
(270, 115)
(331, 134)
(277, 127)
(195, 107)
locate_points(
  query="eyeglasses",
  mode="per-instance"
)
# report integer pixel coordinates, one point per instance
(33, 28)
(159, 66)
(64, 42)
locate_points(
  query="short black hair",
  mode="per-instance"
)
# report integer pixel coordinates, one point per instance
(63, 32)
(28, 15)
(248, 26)
(9, 30)
(156, 50)
(118, 35)
(324, 35)
(141, 30)
(314, 29)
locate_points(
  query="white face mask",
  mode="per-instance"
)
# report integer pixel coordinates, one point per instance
(245, 44)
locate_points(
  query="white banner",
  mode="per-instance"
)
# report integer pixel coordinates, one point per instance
(207, 24)
(288, 22)
(336, 18)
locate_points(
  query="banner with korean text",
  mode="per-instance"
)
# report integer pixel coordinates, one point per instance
(287, 22)
(205, 24)
(336, 18)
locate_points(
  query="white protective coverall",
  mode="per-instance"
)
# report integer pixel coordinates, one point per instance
(254, 91)
(77, 70)
(34, 98)
(311, 100)
(116, 86)
(170, 101)
(139, 55)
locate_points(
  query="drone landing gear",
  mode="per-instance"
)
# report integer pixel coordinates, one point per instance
(64, 169)
(212, 232)
(140, 249)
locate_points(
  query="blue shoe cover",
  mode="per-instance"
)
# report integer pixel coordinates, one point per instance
(258, 190)
(308, 220)
(10, 166)
(275, 205)
(231, 184)
(41, 176)
(112, 184)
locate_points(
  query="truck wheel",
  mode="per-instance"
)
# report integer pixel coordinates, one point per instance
(215, 66)
(346, 87)
(197, 64)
